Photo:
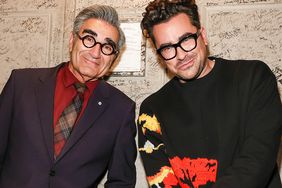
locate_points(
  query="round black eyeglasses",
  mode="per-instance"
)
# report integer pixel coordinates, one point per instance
(89, 42)
(187, 44)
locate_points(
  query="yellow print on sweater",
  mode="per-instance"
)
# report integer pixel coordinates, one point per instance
(164, 176)
(151, 123)
(149, 147)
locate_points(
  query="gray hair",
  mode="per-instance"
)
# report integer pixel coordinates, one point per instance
(102, 12)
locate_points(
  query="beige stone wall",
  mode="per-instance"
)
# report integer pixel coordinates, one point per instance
(34, 33)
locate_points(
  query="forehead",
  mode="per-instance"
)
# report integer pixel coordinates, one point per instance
(175, 27)
(102, 28)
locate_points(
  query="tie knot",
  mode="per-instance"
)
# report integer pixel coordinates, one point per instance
(80, 88)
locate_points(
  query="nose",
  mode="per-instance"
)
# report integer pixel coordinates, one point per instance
(95, 51)
(180, 53)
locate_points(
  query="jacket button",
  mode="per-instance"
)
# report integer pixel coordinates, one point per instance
(52, 173)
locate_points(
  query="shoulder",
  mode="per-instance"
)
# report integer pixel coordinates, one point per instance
(159, 97)
(245, 75)
(28, 78)
(114, 93)
(245, 68)
(243, 65)
(28, 73)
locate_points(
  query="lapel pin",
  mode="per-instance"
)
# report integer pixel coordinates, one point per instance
(99, 103)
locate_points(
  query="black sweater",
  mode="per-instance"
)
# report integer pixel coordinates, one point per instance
(222, 130)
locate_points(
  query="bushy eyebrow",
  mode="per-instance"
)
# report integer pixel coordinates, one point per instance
(187, 34)
(89, 31)
(179, 39)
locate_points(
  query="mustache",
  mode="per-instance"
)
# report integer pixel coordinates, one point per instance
(188, 57)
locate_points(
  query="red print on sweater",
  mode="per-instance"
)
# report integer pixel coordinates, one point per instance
(192, 173)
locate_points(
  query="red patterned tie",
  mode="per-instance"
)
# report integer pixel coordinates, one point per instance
(64, 125)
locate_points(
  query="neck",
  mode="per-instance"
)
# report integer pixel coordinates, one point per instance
(209, 66)
(206, 70)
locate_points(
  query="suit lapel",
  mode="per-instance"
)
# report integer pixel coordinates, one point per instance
(44, 93)
(97, 104)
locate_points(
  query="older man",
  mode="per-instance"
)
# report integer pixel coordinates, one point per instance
(64, 127)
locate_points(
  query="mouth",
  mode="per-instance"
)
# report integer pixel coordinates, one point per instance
(90, 61)
(185, 64)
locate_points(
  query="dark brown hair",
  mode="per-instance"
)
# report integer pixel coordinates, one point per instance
(159, 11)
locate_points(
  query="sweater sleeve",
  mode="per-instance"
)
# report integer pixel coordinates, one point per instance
(256, 161)
(152, 150)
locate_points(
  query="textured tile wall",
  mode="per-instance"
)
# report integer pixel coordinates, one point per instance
(35, 33)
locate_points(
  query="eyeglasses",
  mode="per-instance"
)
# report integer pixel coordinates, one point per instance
(89, 42)
(187, 44)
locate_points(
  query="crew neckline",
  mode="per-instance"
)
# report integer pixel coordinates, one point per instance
(205, 79)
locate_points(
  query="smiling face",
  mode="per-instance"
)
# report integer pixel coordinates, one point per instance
(186, 65)
(90, 63)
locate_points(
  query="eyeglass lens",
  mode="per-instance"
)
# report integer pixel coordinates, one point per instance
(89, 42)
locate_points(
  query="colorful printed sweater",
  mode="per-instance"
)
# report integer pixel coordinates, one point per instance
(221, 131)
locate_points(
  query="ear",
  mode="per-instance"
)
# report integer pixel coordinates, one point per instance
(204, 35)
(71, 41)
